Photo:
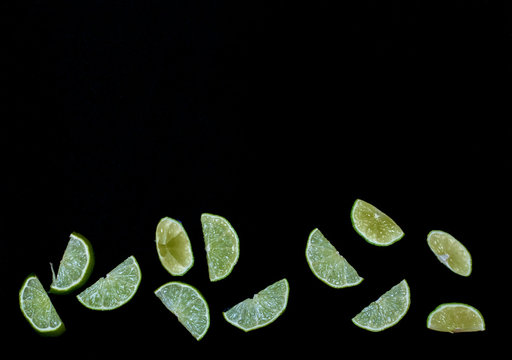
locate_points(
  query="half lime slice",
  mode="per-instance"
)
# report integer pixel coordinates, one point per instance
(75, 266)
(115, 289)
(260, 310)
(387, 310)
(189, 306)
(373, 225)
(173, 247)
(450, 252)
(455, 318)
(36, 306)
(221, 244)
(327, 264)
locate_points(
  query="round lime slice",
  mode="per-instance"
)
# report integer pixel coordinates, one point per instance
(455, 318)
(189, 306)
(327, 264)
(173, 247)
(75, 266)
(115, 289)
(36, 306)
(450, 252)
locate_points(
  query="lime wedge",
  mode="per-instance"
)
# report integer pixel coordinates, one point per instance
(36, 306)
(387, 310)
(189, 306)
(450, 252)
(222, 248)
(264, 308)
(373, 225)
(115, 289)
(173, 247)
(455, 318)
(75, 266)
(327, 264)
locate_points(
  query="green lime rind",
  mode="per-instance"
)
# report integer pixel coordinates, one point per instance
(75, 266)
(37, 308)
(262, 309)
(188, 305)
(115, 289)
(455, 317)
(450, 252)
(387, 310)
(173, 247)
(327, 264)
(373, 225)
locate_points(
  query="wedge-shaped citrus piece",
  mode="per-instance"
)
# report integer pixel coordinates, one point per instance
(115, 289)
(455, 318)
(189, 306)
(75, 266)
(222, 246)
(327, 264)
(36, 306)
(450, 252)
(373, 225)
(262, 309)
(387, 310)
(173, 247)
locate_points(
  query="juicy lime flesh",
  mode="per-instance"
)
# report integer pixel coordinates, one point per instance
(327, 264)
(260, 310)
(75, 266)
(115, 289)
(38, 308)
(173, 246)
(385, 311)
(222, 247)
(450, 252)
(188, 305)
(373, 225)
(456, 317)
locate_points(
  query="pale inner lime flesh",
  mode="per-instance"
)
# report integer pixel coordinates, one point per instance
(173, 245)
(74, 265)
(188, 305)
(450, 252)
(115, 289)
(327, 263)
(37, 306)
(385, 311)
(260, 310)
(221, 243)
(455, 318)
(375, 226)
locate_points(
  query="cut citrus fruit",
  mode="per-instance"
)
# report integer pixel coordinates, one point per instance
(222, 246)
(373, 225)
(36, 306)
(262, 309)
(189, 306)
(327, 264)
(115, 289)
(75, 266)
(455, 318)
(173, 247)
(387, 310)
(450, 252)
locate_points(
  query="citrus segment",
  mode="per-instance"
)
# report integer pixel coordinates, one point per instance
(455, 318)
(450, 252)
(173, 247)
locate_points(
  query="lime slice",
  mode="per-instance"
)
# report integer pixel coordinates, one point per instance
(222, 248)
(327, 264)
(450, 252)
(189, 306)
(387, 310)
(455, 318)
(115, 289)
(173, 247)
(373, 225)
(36, 306)
(75, 266)
(264, 308)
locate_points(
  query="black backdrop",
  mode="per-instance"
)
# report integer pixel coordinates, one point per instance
(277, 116)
